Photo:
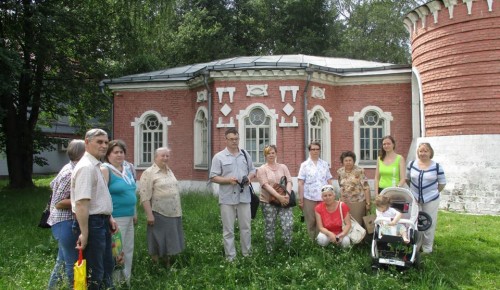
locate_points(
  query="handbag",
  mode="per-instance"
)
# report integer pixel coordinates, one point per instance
(43, 219)
(356, 232)
(254, 202)
(281, 190)
(254, 199)
(45, 215)
(369, 222)
(80, 272)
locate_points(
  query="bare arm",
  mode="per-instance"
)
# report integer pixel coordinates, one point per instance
(301, 193)
(441, 187)
(402, 171)
(64, 204)
(82, 216)
(376, 179)
(347, 227)
(396, 219)
(149, 212)
(105, 174)
(225, 180)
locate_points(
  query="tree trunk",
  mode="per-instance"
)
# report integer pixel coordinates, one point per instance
(19, 149)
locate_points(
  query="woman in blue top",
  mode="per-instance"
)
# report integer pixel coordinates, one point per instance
(120, 176)
(426, 180)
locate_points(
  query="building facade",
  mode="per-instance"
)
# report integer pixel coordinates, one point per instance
(456, 82)
(286, 100)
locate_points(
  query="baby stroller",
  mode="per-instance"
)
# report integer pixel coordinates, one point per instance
(391, 249)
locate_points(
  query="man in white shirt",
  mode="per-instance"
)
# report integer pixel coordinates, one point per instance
(92, 205)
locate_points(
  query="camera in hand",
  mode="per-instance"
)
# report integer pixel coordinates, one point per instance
(244, 181)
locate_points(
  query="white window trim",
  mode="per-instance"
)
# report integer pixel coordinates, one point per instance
(326, 146)
(198, 151)
(137, 134)
(386, 116)
(246, 112)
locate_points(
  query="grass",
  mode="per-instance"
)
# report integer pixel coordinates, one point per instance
(466, 255)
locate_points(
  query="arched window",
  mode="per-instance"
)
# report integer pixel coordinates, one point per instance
(201, 139)
(150, 133)
(257, 128)
(319, 131)
(370, 125)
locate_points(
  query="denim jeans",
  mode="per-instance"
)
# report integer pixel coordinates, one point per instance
(67, 254)
(98, 253)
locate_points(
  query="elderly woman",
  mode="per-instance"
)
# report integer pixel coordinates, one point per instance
(391, 170)
(313, 174)
(269, 174)
(426, 180)
(354, 188)
(120, 177)
(61, 216)
(160, 197)
(329, 219)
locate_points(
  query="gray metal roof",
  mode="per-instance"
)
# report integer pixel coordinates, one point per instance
(340, 66)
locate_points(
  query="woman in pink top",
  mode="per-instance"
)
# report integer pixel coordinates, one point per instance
(269, 174)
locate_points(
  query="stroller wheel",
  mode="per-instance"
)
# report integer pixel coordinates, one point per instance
(424, 221)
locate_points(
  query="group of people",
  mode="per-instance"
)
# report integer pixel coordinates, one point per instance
(94, 197)
(93, 200)
(326, 210)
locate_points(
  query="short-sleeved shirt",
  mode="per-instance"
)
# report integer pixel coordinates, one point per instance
(161, 188)
(353, 184)
(314, 177)
(266, 174)
(389, 213)
(61, 189)
(225, 164)
(332, 221)
(424, 182)
(87, 182)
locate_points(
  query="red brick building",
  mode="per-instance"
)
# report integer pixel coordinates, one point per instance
(287, 100)
(456, 82)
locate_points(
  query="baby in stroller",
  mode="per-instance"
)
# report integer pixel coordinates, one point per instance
(384, 209)
(399, 247)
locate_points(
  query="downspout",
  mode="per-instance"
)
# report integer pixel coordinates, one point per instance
(309, 72)
(111, 101)
(206, 74)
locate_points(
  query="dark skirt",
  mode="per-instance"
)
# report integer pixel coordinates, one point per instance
(166, 236)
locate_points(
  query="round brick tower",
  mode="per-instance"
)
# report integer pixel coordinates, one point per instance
(456, 97)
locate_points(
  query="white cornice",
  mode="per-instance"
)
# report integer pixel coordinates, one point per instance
(348, 78)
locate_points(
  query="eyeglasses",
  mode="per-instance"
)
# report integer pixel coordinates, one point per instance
(314, 149)
(233, 139)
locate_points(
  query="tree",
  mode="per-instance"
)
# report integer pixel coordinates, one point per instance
(374, 30)
(51, 63)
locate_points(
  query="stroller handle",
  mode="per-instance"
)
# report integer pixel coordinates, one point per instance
(380, 220)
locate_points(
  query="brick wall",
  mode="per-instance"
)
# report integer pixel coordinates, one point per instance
(180, 107)
(459, 63)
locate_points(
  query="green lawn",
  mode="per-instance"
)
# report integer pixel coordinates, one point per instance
(466, 256)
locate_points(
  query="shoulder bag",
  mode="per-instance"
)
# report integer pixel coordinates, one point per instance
(356, 232)
(254, 199)
(281, 190)
(45, 215)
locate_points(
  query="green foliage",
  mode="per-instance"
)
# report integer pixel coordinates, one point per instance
(464, 258)
(375, 30)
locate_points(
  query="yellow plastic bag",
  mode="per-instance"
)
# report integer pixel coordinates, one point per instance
(80, 272)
